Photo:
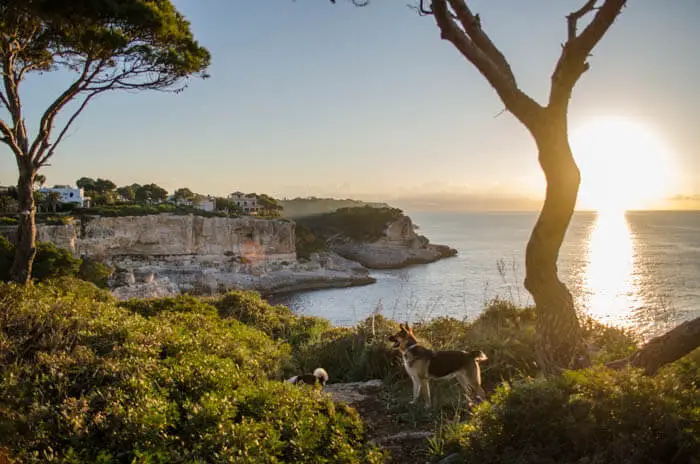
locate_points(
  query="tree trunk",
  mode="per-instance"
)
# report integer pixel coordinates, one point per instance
(25, 243)
(664, 349)
(558, 330)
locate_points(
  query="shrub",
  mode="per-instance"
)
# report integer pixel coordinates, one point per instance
(90, 381)
(279, 322)
(8, 221)
(95, 271)
(52, 262)
(594, 416)
(361, 224)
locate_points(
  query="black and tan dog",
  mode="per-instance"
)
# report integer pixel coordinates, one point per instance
(319, 378)
(423, 364)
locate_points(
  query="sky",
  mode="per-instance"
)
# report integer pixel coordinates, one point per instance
(309, 98)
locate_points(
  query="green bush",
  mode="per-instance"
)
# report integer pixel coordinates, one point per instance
(85, 380)
(95, 271)
(306, 242)
(594, 416)
(361, 224)
(279, 322)
(8, 221)
(51, 262)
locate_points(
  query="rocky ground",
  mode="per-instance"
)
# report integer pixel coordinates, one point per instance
(405, 444)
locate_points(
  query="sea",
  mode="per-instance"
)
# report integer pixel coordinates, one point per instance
(637, 270)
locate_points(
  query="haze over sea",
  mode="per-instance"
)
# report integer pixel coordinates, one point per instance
(640, 270)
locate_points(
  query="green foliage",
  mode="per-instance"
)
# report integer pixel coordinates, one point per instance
(128, 192)
(52, 262)
(276, 321)
(145, 210)
(362, 224)
(302, 207)
(354, 354)
(8, 221)
(95, 271)
(151, 192)
(307, 242)
(594, 416)
(85, 380)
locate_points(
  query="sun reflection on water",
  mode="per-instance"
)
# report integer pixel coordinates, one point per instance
(610, 287)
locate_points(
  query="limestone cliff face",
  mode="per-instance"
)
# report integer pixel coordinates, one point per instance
(163, 255)
(399, 247)
(109, 238)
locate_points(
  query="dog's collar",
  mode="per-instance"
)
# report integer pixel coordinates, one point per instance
(415, 344)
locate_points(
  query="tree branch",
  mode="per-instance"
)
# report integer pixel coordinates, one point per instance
(41, 142)
(664, 349)
(572, 62)
(522, 106)
(472, 26)
(43, 158)
(9, 139)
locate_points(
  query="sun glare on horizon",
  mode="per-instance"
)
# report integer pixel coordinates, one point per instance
(624, 165)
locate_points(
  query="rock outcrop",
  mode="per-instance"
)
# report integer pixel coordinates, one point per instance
(399, 247)
(163, 255)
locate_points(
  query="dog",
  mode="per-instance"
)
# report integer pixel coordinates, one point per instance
(318, 378)
(423, 364)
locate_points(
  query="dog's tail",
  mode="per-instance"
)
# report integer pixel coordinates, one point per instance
(293, 379)
(478, 355)
(321, 374)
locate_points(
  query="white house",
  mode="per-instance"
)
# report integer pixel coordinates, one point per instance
(205, 204)
(246, 202)
(68, 194)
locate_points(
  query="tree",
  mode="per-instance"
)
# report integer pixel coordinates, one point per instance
(269, 205)
(107, 45)
(86, 183)
(560, 343)
(151, 192)
(127, 192)
(184, 195)
(104, 186)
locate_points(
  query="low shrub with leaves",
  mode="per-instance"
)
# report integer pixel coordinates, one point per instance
(84, 379)
(53, 262)
(593, 416)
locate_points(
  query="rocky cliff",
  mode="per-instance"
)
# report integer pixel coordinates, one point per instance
(400, 246)
(162, 255)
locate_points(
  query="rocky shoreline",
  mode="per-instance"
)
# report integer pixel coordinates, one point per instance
(165, 255)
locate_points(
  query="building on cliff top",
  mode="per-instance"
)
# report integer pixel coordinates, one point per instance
(246, 202)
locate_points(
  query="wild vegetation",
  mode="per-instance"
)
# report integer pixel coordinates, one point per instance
(53, 262)
(88, 379)
(360, 224)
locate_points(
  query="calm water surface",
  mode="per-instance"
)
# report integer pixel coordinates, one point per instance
(639, 270)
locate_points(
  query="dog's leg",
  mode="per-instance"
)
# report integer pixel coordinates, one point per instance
(416, 389)
(475, 384)
(463, 380)
(425, 385)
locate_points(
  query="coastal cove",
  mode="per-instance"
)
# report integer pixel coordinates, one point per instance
(167, 254)
(638, 271)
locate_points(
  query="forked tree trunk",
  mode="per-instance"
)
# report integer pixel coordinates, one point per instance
(558, 330)
(25, 242)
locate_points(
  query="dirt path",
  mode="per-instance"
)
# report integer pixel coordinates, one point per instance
(384, 430)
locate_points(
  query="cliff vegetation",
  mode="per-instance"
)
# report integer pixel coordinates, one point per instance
(88, 379)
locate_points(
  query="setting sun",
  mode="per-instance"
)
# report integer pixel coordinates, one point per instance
(624, 165)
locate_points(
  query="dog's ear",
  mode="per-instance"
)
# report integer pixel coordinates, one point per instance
(408, 328)
(401, 326)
